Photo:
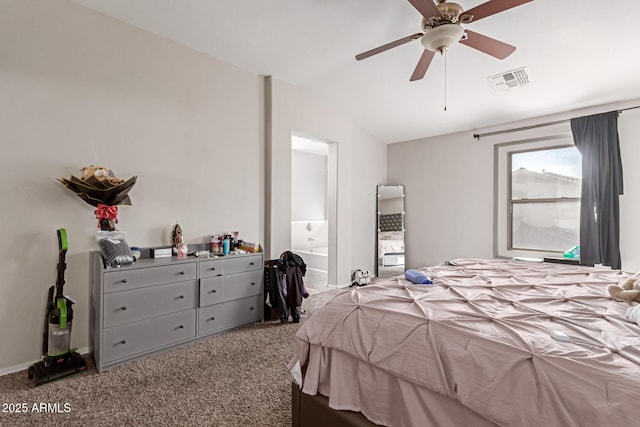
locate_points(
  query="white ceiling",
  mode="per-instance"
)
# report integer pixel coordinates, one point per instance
(579, 53)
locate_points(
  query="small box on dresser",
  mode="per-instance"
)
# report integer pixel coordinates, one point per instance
(157, 304)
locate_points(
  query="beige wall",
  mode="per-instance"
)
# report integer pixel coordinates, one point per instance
(448, 197)
(450, 192)
(80, 88)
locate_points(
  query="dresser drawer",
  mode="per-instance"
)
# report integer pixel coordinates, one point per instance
(242, 285)
(226, 315)
(214, 267)
(243, 263)
(133, 278)
(128, 340)
(137, 304)
(211, 290)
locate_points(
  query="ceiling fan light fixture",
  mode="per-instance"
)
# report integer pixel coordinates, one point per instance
(440, 38)
(450, 11)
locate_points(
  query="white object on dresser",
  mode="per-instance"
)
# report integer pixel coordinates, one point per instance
(156, 304)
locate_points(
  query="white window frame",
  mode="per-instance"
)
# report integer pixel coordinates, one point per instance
(502, 172)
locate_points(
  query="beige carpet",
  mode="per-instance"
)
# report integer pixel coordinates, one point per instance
(235, 379)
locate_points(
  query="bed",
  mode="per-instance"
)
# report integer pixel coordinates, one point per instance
(473, 349)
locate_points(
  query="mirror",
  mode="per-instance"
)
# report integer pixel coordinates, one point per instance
(390, 230)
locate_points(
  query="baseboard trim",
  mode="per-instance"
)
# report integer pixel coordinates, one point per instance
(23, 366)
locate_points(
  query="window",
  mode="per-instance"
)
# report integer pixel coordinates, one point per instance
(544, 202)
(537, 201)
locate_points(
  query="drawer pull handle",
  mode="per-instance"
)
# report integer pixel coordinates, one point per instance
(124, 280)
(211, 318)
(182, 272)
(253, 283)
(212, 268)
(180, 327)
(251, 263)
(181, 297)
(219, 274)
(251, 308)
(123, 342)
(124, 307)
(212, 291)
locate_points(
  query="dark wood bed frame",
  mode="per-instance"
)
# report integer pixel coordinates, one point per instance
(314, 411)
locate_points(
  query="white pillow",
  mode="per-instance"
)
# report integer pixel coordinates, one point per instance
(633, 314)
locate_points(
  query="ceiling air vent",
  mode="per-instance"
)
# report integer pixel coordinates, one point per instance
(510, 79)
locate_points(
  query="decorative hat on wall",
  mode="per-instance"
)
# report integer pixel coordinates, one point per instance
(101, 188)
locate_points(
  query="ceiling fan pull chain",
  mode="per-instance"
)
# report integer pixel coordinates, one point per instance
(445, 79)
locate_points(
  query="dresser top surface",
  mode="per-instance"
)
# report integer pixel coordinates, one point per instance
(155, 262)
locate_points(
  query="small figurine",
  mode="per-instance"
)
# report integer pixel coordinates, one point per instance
(179, 247)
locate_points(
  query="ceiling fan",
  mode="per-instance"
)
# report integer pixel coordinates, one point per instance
(441, 29)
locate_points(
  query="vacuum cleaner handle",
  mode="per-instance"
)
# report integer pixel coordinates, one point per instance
(63, 245)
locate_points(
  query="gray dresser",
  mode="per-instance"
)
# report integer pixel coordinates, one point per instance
(156, 304)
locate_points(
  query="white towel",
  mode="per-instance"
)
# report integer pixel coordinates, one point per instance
(633, 314)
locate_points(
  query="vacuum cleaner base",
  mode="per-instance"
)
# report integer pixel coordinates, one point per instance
(43, 374)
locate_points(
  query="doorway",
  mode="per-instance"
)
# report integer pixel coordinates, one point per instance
(313, 207)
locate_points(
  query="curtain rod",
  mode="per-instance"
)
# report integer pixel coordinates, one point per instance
(498, 132)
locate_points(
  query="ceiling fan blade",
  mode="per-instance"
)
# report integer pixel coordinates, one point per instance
(488, 45)
(426, 7)
(388, 46)
(423, 65)
(492, 7)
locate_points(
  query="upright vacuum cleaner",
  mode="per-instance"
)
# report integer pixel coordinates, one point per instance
(59, 360)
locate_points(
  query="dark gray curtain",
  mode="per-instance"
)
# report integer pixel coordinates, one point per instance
(596, 137)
